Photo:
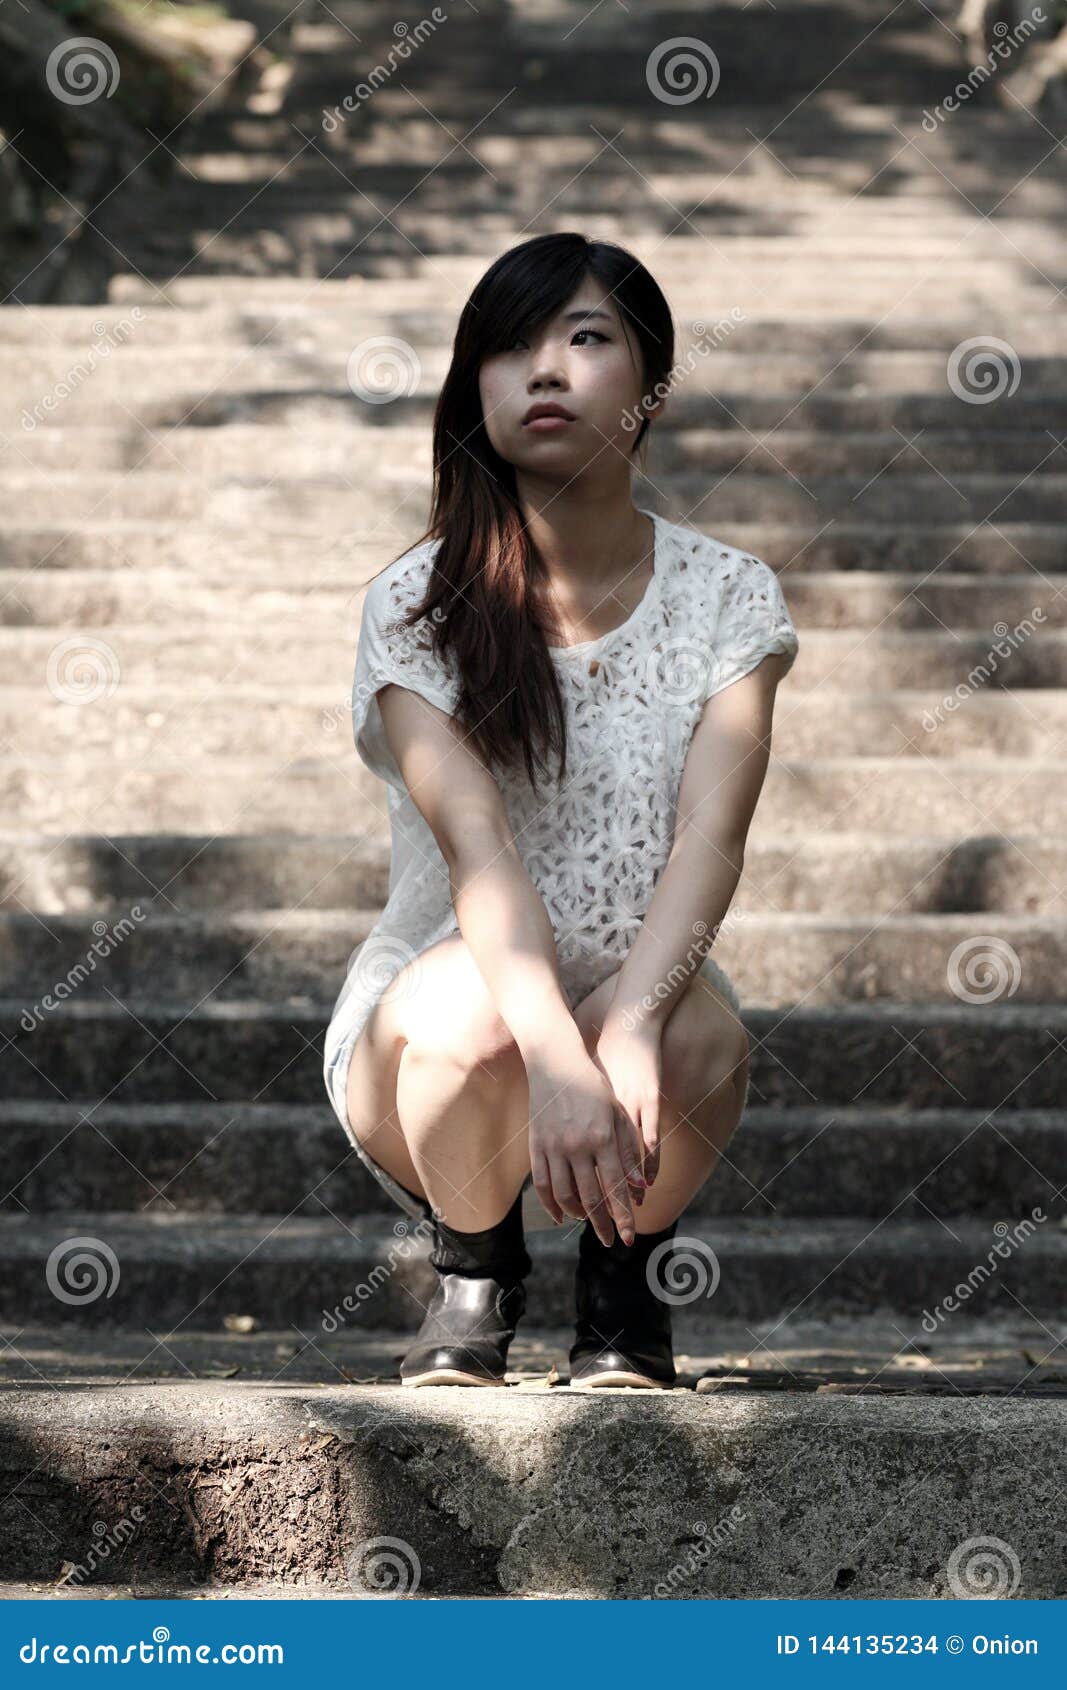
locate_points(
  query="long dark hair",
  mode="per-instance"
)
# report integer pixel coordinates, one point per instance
(487, 565)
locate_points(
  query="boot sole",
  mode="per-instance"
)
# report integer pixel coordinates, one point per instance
(449, 1376)
(638, 1381)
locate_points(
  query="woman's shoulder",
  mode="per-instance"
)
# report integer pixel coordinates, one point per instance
(706, 556)
(402, 582)
(712, 574)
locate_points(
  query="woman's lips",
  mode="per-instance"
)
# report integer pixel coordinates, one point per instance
(548, 425)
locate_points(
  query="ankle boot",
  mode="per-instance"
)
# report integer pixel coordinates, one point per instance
(622, 1329)
(465, 1334)
(476, 1306)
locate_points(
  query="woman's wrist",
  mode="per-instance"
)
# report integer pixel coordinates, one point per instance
(553, 1041)
(633, 1020)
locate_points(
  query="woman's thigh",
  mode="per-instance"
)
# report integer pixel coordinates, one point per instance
(704, 1054)
(440, 1005)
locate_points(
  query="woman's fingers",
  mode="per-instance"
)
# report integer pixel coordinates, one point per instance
(585, 1174)
(628, 1140)
(616, 1191)
(542, 1182)
(563, 1185)
(650, 1138)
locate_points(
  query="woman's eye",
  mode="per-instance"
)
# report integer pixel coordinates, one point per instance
(518, 341)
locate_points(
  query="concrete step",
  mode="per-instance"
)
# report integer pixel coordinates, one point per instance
(323, 214)
(194, 549)
(146, 372)
(68, 1589)
(900, 600)
(138, 724)
(243, 449)
(318, 397)
(287, 955)
(999, 1055)
(323, 320)
(168, 793)
(217, 654)
(321, 505)
(253, 1158)
(545, 1490)
(88, 874)
(156, 1269)
(984, 1355)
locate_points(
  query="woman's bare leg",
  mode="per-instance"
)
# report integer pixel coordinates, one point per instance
(437, 1090)
(438, 1094)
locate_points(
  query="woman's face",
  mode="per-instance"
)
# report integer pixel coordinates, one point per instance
(585, 360)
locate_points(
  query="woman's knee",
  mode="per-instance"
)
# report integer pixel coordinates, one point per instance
(704, 1049)
(468, 1049)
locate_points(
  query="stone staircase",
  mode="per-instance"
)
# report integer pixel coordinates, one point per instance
(190, 518)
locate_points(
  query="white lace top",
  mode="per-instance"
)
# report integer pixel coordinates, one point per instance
(594, 846)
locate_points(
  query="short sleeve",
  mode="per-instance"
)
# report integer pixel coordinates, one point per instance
(390, 652)
(753, 621)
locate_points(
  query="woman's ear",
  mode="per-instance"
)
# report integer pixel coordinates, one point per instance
(653, 409)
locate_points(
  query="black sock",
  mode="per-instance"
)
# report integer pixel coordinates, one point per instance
(499, 1251)
(642, 1247)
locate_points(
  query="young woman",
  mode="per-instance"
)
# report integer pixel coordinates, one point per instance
(570, 699)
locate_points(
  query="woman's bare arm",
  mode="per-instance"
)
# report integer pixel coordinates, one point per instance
(721, 782)
(506, 926)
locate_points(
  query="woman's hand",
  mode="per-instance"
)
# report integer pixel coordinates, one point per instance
(632, 1061)
(584, 1153)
